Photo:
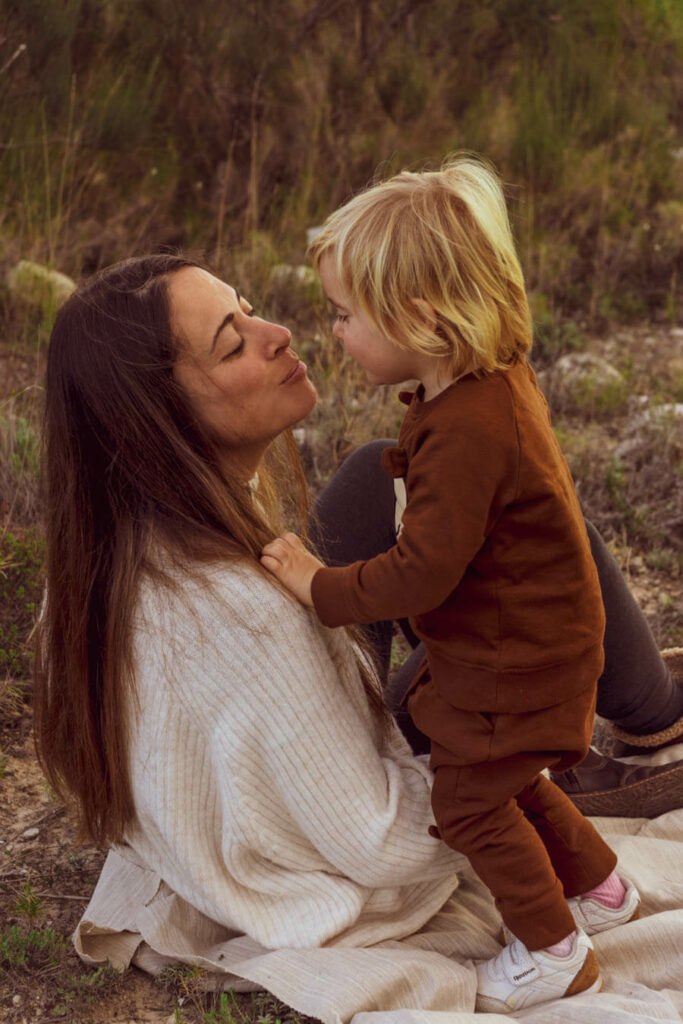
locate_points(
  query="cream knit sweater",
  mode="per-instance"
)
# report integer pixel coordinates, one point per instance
(266, 795)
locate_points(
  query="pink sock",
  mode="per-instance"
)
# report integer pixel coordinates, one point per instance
(562, 948)
(610, 893)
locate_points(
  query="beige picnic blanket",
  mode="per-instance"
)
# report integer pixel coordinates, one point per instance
(427, 978)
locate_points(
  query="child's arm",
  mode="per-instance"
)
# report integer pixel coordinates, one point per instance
(458, 481)
(294, 566)
(460, 477)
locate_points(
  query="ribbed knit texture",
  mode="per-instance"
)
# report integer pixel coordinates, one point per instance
(611, 892)
(563, 948)
(266, 794)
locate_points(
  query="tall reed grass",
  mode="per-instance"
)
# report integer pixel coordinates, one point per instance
(127, 127)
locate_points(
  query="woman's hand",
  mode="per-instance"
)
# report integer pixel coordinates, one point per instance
(294, 566)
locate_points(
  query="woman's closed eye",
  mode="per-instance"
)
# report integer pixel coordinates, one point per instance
(234, 351)
(238, 348)
(341, 318)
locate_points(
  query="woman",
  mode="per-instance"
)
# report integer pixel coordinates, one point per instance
(197, 713)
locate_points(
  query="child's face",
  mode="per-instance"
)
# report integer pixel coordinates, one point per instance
(384, 362)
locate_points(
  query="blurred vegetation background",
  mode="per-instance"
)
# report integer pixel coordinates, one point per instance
(130, 125)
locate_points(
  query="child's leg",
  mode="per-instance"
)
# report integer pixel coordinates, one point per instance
(580, 858)
(478, 814)
(522, 835)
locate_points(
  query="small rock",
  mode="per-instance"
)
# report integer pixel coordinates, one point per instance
(646, 421)
(577, 365)
(295, 286)
(38, 285)
(16, 1000)
(667, 412)
(587, 378)
(30, 833)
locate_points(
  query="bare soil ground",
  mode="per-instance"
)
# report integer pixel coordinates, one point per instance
(38, 847)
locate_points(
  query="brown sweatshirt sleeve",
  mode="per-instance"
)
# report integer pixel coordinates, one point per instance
(459, 480)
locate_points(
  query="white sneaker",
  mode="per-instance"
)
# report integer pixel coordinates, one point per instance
(593, 916)
(517, 978)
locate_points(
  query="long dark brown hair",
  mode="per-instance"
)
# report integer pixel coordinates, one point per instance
(118, 436)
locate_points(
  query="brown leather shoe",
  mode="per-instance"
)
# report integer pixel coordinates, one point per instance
(604, 786)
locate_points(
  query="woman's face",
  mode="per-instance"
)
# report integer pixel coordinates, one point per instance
(243, 381)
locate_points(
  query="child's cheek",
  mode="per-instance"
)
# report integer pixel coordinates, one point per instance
(349, 346)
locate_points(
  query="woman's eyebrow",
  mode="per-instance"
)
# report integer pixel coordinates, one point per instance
(224, 323)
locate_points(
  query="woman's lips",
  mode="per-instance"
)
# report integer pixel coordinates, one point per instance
(297, 373)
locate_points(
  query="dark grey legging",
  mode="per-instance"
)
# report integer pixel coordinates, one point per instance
(355, 520)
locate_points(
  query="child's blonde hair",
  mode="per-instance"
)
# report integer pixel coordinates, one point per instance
(443, 237)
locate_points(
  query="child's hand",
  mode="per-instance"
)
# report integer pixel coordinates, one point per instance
(292, 564)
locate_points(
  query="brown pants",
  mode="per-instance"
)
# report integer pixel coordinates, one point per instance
(524, 838)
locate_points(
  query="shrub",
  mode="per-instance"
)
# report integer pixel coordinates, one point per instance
(21, 586)
(31, 950)
(201, 130)
(19, 457)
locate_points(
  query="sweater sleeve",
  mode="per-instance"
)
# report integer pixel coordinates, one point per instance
(458, 482)
(301, 769)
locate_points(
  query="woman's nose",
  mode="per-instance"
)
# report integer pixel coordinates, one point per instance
(276, 337)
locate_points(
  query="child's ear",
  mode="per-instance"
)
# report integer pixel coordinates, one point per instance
(426, 312)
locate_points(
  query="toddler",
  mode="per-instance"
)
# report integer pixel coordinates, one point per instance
(491, 564)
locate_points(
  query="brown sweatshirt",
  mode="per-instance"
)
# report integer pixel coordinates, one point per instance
(493, 565)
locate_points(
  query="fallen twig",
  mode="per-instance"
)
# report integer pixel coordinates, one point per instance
(17, 53)
(57, 896)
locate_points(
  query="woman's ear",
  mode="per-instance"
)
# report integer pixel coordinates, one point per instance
(426, 312)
